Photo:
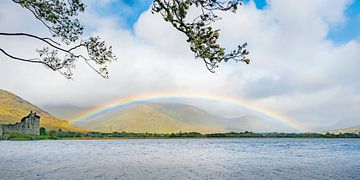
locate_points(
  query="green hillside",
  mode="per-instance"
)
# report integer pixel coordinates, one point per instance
(13, 108)
(192, 115)
(174, 117)
(142, 118)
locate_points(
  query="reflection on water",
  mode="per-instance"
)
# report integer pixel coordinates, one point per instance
(181, 159)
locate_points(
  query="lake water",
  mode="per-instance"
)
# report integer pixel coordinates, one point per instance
(181, 159)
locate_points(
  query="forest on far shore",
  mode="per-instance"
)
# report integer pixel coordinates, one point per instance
(59, 134)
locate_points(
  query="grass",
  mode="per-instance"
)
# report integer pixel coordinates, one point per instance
(18, 137)
(24, 137)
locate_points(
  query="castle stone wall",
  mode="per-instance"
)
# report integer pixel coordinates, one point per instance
(29, 125)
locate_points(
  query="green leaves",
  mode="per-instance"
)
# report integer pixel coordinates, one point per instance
(247, 61)
(59, 16)
(201, 36)
(99, 53)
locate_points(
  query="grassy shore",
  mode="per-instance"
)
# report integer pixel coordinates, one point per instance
(67, 135)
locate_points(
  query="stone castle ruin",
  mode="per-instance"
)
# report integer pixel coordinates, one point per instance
(29, 125)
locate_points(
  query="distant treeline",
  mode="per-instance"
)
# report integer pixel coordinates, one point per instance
(246, 134)
(60, 134)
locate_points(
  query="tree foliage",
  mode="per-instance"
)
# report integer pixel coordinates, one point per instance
(42, 131)
(203, 38)
(57, 16)
(246, 134)
(60, 18)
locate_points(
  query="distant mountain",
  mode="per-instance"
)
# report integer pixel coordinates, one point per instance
(65, 111)
(354, 130)
(191, 115)
(251, 123)
(195, 116)
(142, 118)
(173, 117)
(13, 108)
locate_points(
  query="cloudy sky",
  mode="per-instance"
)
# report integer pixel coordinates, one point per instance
(305, 58)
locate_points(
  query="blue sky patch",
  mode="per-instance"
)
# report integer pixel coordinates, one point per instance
(351, 28)
(260, 4)
(128, 11)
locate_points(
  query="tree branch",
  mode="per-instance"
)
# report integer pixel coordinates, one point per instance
(27, 60)
(201, 36)
(20, 59)
(46, 40)
(96, 50)
(60, 18)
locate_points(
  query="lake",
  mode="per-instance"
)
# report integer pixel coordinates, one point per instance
(181, 159)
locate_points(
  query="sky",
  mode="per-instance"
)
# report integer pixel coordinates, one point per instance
(305, 58)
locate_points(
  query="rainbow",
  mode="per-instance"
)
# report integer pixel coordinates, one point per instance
(123, 102)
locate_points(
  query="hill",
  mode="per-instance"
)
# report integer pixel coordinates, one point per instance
(192, 115)
(142, 118)
(354, 130)
(173, 117)
(13, 108)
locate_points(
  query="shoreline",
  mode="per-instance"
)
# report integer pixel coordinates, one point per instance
(179, 138)
(68, 135)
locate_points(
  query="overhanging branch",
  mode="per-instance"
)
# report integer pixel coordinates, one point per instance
(48, 41)
(96, 50)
